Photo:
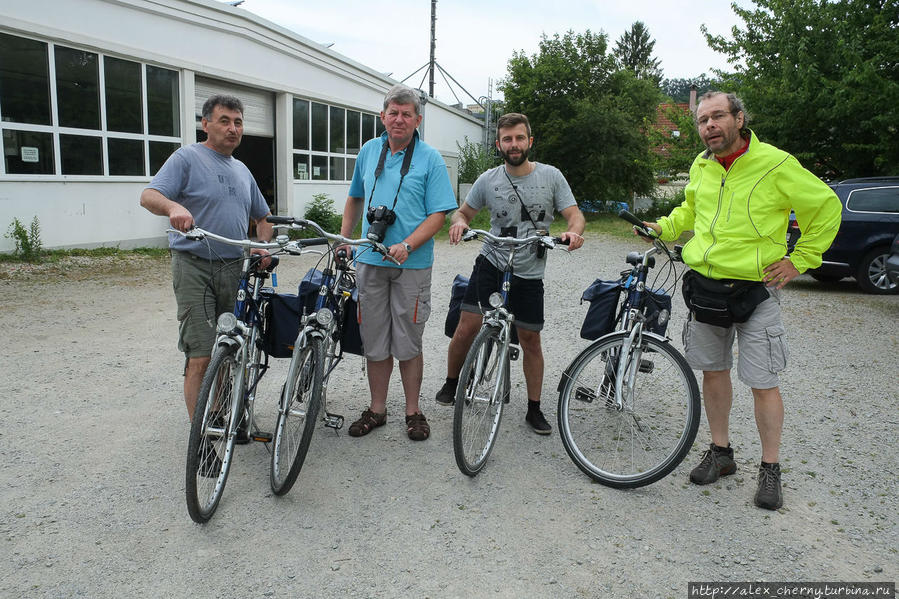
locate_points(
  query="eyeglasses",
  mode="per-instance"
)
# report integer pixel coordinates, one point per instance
(715, 116)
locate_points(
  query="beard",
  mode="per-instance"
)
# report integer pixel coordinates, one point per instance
(519, 160)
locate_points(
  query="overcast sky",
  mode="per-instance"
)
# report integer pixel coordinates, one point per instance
(475, 39)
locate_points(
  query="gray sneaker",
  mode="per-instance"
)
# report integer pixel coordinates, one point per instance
(716, 461)
(769, 495)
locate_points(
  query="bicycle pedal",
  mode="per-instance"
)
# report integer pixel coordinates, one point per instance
(262, 437)
(646, 366)
(584, 394)
(513, 353)
(334, 421)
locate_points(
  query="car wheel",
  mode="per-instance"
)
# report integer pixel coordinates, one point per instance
(872, 273)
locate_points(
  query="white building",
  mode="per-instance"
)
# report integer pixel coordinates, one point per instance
(95, 94)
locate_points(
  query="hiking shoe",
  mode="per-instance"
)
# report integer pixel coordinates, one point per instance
(210, 462)
(769, 495)
(447, 394)
(538, 422)
(716, 461)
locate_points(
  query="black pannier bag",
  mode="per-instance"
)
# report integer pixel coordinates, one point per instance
(603, 312)
(285, 310)
(601, 315)
(457, 292)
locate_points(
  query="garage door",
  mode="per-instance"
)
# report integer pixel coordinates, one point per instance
(258, 105)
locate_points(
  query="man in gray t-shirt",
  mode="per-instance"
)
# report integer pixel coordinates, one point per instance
(204, 184)
(521, 196)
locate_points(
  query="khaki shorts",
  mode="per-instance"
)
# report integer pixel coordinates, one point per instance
(762, 349)
(394, 305)
(203, 290)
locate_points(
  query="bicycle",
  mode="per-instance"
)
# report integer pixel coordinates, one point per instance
(479, 402)
(629, 403)
(316, 353)
(228, 390)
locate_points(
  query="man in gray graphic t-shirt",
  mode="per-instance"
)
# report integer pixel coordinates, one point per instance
(521, 196)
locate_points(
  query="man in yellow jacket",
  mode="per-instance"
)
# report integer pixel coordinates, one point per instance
(738, 202)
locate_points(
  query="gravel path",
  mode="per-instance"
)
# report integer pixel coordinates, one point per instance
(94, 436)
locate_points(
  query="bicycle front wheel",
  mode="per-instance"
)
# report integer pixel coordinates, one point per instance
(297, 413)
(211, 446)
(637, 438)
(479, 401)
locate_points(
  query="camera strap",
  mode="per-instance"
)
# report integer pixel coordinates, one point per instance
(524, 209)
(404, 169)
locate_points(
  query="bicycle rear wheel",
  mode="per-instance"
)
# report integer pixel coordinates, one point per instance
(644, 437)
(479, 401)
(211, 446)
(297, 414)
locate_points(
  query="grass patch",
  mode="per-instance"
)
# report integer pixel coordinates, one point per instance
(101, 252)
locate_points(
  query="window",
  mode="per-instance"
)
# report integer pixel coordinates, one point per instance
(878, 199)
(112, 117)
(24, 80)
(326, 140)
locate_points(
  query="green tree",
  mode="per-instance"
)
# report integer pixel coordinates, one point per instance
(587, 115)
(633, 50)
(474, 159)
(679, 89)
(821, 80)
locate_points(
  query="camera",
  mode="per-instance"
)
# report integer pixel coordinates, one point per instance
(379, 218)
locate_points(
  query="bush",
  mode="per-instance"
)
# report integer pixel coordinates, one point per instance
(28, 241)
(474, 159)
(321, 210)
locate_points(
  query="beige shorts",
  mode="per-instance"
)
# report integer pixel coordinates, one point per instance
(762, 349)
(394, 305)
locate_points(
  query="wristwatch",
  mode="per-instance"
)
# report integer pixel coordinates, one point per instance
(408, 247)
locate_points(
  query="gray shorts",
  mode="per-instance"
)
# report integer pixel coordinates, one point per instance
(762, 349)
(394, 305)
(203, 290)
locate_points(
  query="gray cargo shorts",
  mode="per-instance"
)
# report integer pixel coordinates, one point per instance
(762, 350)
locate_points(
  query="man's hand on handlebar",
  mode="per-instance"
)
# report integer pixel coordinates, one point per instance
(456, 231)
(573, 240)
(180, 218)
(656, 229)
(264, 262)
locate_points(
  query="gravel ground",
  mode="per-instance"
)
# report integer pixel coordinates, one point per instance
(95, 431)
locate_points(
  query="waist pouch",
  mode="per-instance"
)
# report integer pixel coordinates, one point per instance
(721, 302)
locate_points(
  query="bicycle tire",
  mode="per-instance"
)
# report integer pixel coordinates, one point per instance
(479, 402)
(293, 431)
(210, 447)
(650, 434)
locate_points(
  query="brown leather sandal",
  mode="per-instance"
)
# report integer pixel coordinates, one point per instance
(368, 422)
(417, 427)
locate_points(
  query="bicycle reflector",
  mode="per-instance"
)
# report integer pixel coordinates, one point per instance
(227, 323)
(495, 299)
(324, 317)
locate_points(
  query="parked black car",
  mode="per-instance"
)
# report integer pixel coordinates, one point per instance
(870, 223)
(893, 261)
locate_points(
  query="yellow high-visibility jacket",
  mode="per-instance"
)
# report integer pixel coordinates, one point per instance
(740, 216)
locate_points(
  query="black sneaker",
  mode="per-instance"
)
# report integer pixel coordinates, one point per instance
(769, 495)
(447, 394)
(716, 461)
(538, 422)
(210, 462)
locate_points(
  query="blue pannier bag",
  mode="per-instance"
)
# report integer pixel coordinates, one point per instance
(281, 323)
(351, 338)
(654, 302)
(457, 292)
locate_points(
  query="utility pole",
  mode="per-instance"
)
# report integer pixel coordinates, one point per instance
(433, 46)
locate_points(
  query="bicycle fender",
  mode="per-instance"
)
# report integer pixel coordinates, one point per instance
(225, 341)
(566, 374)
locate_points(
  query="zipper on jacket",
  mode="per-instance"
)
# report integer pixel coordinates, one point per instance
(705, 257)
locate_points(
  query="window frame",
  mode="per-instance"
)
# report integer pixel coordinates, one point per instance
(103, 133)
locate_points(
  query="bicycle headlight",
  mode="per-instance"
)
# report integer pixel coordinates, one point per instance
(227, 323)
(495, 300)
(324, 317)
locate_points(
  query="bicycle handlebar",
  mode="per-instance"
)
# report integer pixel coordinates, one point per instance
(641, 229)
(546, 240)
(198, 234)
(301, 223)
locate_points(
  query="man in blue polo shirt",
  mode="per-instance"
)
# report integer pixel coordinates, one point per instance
(402, 187)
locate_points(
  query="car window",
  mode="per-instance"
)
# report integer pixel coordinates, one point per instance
(875, 199)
